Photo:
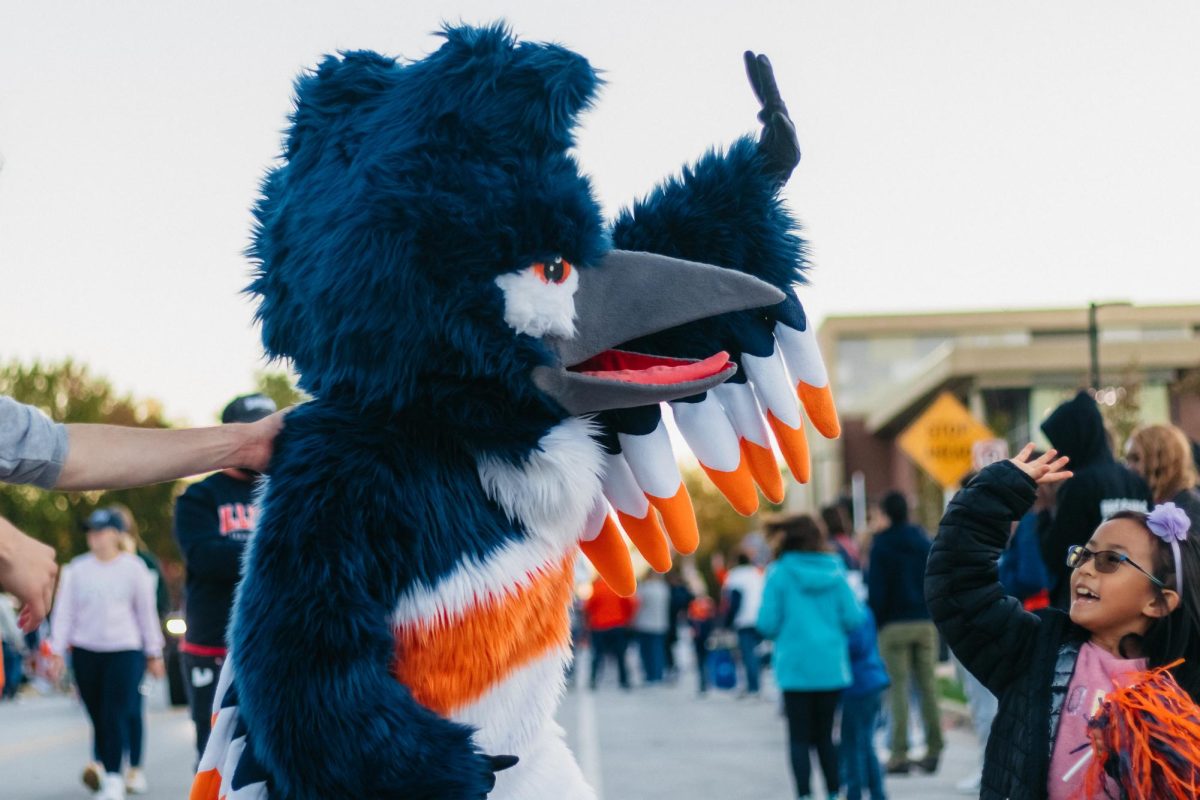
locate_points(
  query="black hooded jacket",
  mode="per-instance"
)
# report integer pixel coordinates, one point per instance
(1101, 487)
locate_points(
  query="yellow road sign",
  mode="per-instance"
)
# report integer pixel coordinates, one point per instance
(940, 440)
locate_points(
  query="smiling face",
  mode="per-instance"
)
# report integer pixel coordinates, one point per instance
(1114, 605)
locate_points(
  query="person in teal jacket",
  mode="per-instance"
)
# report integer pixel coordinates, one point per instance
(809, 610)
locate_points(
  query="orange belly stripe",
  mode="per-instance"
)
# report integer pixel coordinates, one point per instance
(449, 665)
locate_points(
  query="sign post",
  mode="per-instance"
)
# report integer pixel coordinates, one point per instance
(942, 440)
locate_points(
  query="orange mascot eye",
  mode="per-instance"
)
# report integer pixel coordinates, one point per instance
(555, 271)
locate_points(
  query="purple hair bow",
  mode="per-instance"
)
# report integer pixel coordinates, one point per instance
(1171, 523)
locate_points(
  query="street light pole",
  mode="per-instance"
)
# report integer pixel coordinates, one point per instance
(1093, 348)
(1093, 332)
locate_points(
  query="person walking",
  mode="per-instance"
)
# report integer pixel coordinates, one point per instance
(13, 642)
(608, 618)
(1162, 456)
(808, 610)
(1101, 487)
(104, 617)
(650, 625)
(861, 700)
(214, 520)
(701, 612)
(907, 637)
(743, 591)
(132, 543)
(680, 598)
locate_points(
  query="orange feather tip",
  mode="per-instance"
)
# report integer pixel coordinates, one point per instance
(793, 444)
(679, 519)
(648, 538)
(818, 404)
(206, 785)
(737, 486)
(764, 469)
(610, 557)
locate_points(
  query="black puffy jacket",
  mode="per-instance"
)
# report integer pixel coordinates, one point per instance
(1025, 659)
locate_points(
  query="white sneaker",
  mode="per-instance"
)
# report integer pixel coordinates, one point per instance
(135, 781)
(112, 787)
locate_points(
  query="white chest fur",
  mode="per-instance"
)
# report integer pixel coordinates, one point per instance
(548, 495)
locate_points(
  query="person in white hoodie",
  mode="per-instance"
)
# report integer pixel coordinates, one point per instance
(743, 591)
(650, 625)
(105, 618)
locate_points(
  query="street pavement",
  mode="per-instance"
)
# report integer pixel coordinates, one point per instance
(664, 743)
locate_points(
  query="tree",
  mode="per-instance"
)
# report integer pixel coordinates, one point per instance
(721, 528)
(280, 386)
(68, 392)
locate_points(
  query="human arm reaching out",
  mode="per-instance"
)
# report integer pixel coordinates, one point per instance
(112, 457)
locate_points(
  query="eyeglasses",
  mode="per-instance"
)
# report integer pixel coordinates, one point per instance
(1106, 561)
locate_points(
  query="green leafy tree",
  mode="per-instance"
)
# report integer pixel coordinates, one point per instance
(280, 386)
(68, 392)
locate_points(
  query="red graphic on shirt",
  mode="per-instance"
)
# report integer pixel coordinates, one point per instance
(236, 517)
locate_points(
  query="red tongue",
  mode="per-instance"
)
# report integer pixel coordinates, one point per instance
(619, 365)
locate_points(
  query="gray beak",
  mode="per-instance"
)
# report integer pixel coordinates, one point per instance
(629, 295)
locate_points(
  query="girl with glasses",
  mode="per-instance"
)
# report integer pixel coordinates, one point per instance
(1135, 604)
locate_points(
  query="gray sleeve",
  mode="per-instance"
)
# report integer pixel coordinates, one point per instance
(32, 448)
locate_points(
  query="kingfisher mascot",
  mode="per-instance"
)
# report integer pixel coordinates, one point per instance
(486, 358)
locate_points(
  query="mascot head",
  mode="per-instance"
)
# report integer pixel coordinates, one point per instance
(427, 246)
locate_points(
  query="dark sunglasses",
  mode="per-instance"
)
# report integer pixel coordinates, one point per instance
(1106, 561)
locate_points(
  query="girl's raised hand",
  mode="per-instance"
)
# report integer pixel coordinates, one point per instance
(1048, 468)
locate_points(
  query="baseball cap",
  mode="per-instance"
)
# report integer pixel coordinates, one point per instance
(104, 518)
(248, 408)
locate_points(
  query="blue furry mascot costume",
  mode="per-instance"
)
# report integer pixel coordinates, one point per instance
(486, 368)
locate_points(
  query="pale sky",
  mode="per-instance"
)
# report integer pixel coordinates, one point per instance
(956, 154)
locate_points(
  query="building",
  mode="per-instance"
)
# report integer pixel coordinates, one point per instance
(1011, 368)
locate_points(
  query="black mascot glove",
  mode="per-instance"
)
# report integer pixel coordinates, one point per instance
(778, 143)
(499, 764)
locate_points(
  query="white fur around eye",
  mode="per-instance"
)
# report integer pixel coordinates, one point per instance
(537, 308)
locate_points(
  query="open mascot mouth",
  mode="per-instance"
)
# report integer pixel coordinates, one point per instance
(629, 367)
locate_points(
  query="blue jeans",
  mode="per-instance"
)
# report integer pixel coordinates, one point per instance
(654, 656)
(12, 670)
(860, 764)
(748, 640)
(108, 685)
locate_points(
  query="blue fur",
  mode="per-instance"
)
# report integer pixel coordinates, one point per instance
(404, 191)
(344, 529)
(724, 210)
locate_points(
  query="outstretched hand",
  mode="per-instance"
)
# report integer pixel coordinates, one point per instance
(1046, 469)
(778, 143)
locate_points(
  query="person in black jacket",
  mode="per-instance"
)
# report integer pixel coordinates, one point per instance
(214, 520)
(1128, 601)
(1101, 487)
(907, 638)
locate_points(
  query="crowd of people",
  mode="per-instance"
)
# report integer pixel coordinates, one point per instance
(845, 619)
(853, 639)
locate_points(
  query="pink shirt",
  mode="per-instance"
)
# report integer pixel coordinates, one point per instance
(106, 607)
(1095, 671)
